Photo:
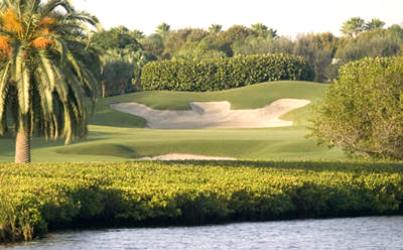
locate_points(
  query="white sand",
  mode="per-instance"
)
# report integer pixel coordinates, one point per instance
(186, 157)
(214, 115)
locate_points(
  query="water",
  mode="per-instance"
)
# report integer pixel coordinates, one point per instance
(353, 233)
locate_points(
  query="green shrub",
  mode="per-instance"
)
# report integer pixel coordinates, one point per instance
(35, 198)
(363, 110)
(224, 73)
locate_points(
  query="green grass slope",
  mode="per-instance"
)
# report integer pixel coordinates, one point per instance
(116, 136)
(250, 97)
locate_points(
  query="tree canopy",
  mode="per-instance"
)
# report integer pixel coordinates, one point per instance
(46, 71)
(363, 111)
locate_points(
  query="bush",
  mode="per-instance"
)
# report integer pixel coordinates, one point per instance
(35, 198)
(222, 74)
(363, 110)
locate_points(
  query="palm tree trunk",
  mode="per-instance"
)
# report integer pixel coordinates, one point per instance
(23, 147)
(103, 89)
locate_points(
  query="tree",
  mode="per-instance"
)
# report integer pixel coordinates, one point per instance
(116, 38)
(254, 45)
(263, 45)
(177, 39)
(379, 42)
(46, 71)
(163, 30)
(137, 34)
(236, 33)
(318, 50)
(263, 31)
(154, 45)
(353, 26)
(375, 23)
(363, 111)
(197, 52)
(215, 28)
(121, 71)
(259, 28)
(117, 48)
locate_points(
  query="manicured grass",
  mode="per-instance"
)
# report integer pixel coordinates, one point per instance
(35, 198)
(116, 136)
(117, 144)
(250, 97)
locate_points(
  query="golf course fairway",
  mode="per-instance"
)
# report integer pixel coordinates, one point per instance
(116, 136)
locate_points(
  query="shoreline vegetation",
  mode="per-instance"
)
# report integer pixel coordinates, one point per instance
(39, 198)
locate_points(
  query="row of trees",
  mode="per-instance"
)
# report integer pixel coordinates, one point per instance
(324, 51)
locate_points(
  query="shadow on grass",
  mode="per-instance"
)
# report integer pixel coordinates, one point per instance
(108, 149)
(7, 144)
(116, 119)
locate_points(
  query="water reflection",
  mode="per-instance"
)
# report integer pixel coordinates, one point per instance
(353, 233)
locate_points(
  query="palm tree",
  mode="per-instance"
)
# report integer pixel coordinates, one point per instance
(215, 28)
(163, 30)
(45, 77)
(353, 27)
(263, 31)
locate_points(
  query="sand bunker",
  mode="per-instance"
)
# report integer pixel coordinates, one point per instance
(214, 115)
(186, 157)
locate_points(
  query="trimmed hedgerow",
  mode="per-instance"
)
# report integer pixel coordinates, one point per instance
(219, 74)
(35, 198)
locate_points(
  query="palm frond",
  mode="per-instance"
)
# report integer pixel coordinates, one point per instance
(50, 73)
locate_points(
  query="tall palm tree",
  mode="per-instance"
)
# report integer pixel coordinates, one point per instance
(215, 28)
(45, 77)
(163, 30)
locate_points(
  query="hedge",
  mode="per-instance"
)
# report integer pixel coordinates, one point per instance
(219, 74)
(36, 198)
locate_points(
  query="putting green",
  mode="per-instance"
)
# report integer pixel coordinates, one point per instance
(117, 136)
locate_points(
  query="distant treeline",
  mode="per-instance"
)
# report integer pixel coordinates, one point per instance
(126, 51)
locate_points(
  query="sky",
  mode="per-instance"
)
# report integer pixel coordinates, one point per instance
(288, 17)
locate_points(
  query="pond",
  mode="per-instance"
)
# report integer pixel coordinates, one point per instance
(349, 233)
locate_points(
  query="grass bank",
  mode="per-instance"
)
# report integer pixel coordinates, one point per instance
(42, 197)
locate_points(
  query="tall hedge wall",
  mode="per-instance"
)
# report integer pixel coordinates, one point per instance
(222, 74)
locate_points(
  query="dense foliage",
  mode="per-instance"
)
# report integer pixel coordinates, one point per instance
(324, 52)
(363, 110)
(40, 197)
(356, 25)
(223, 73)
(379, 42)
(122, 59)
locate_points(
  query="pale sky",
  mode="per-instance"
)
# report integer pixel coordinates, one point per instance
(289, 17)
